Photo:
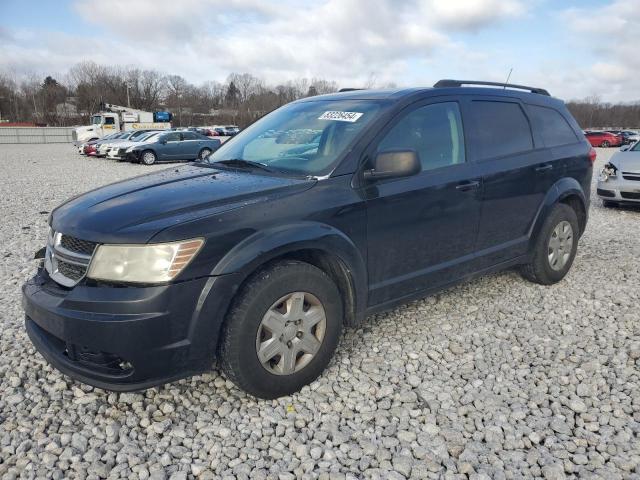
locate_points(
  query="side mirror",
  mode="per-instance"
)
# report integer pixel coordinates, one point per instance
(394, 164)
(624, 148)
(163, 141)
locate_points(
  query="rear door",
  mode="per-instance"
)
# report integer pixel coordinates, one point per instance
(421, 230)
(516, 175)
(192, 144)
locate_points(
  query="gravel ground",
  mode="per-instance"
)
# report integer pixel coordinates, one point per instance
(497, 378)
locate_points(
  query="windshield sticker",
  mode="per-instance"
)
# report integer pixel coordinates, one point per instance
(341, 116)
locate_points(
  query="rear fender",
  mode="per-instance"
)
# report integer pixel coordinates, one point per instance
(563, 188)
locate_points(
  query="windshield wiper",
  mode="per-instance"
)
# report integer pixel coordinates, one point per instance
(241, 163)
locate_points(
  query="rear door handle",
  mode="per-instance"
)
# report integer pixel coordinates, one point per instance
(466, 186)
(544, 168)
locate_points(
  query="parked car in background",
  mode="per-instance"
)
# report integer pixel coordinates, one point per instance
(172, 146)
(104, 143)
(219, 132)
(628, 136)
(117, 150)
(231, 130)
(619, 181)
(603, 139)
(261, 255)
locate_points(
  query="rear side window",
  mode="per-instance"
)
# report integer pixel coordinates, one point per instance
(189, 136)
(499, 128)
(434, 131)
(553, 127)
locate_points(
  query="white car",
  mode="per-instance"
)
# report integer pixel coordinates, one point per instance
(118, 151)
(619, 181)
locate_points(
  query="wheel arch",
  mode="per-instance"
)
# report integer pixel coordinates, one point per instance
(318, 244)
(568, 191)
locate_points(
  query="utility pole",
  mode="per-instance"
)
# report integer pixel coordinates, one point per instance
(128, 102)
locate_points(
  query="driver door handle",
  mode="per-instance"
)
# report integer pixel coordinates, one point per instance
(468, 185)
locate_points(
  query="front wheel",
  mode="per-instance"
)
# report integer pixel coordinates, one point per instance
(148, 157)
(555, 248)
(605, 144)
(282, 330)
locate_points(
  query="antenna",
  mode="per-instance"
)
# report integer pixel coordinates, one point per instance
(508, 77)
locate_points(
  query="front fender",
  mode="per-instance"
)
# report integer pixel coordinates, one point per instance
(271, 243)
(563, 188)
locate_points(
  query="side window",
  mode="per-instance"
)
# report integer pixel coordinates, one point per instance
(499, 128)
(109, 121)
(553, 127)
(434, 131)
(172, 137)
(189, 136)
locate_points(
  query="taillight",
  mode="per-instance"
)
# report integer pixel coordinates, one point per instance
(592, 155)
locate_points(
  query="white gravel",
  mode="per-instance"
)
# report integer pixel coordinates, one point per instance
(498, 378)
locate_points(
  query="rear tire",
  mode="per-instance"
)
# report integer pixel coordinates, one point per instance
(555, 247)
(148, 157)
(282, 329)
(204, 153)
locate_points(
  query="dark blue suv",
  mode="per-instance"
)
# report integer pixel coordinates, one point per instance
(325, 211)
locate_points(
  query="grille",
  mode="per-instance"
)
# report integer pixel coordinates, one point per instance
(631, 176)
(69, 270)
(630, 195)
(76, 245)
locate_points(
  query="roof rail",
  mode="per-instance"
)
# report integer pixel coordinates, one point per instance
(349, 89)
(459, 83)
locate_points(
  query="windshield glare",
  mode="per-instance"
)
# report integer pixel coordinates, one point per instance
(302, 138)
(96, 120)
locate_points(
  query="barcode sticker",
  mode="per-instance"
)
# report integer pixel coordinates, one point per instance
(341, 116)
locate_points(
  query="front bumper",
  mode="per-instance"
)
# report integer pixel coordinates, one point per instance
(127, 338)
(619, 190)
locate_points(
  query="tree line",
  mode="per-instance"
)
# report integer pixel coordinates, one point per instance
(240, 100)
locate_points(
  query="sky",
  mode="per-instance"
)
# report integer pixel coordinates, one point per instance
(575, 49)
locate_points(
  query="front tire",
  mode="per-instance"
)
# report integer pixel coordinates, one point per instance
(605, 144)
(555, 247)
(148, 157)
(282, 330)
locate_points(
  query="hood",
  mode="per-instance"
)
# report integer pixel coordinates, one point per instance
(626, 161)
(134, 210)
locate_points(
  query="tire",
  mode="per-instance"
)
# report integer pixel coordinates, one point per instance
(148, 157)
(204, 153)
(245, 331)
(609, 204)
(605, 144)
(543, 268)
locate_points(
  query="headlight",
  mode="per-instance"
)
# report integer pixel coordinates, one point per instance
(143, 263)
(609, 170)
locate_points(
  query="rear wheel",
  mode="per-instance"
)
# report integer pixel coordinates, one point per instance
(282, 329)
(605, 144)
(204, 153)
(148, 157)
(555, 248)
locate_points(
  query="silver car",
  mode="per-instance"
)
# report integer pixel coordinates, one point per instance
(619, 181)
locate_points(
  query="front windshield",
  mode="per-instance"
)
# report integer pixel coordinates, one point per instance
(302, 138)
(96, 119)
(635, 147)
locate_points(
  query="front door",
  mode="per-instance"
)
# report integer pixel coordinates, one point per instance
(421, 230)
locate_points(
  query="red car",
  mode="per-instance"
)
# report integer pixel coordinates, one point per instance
(604, 139)
(90, 149)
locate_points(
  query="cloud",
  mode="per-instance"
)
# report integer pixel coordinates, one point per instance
(345, 40)
(612, 34)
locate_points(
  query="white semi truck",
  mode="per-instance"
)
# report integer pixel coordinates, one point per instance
(115, 118)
